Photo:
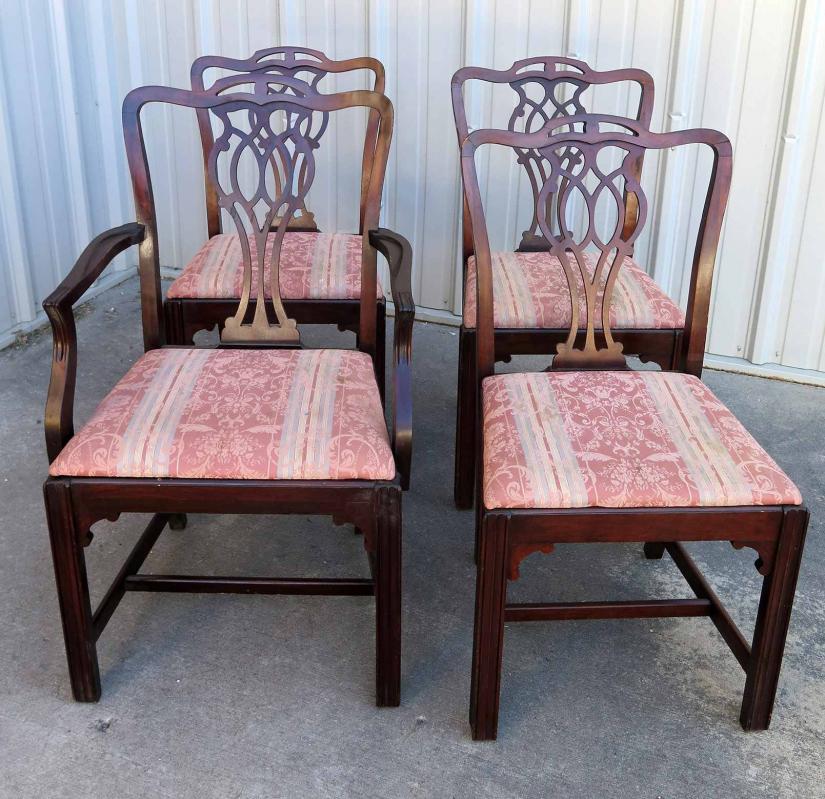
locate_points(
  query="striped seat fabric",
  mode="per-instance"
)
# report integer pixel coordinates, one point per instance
(530, 291)
(237, 414)
(325, 266)
(620, 440)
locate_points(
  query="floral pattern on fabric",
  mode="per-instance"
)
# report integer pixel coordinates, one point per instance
(237, 414)
(620, 440)
(530, 291)
(319, 266)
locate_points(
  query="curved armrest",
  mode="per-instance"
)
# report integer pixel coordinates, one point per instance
(57, 423)
(396, 249)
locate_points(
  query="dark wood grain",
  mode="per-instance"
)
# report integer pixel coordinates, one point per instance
(72, 592)
(293, 586)
(719, 615)
(631, 609)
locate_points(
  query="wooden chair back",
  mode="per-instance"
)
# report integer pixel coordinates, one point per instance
(574, 169)
(546, 88)
(263, 72)
(275, 133)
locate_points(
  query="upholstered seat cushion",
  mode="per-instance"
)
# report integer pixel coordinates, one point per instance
(237, 414)
(530, 291)
(325, 266)
(620, 440)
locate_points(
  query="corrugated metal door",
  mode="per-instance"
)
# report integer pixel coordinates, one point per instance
(752, 68)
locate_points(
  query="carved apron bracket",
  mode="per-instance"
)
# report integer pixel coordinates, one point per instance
(86, 517)
(519, 552)
(765, 550)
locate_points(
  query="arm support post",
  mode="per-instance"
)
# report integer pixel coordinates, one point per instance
(396, 249)
(58, 421)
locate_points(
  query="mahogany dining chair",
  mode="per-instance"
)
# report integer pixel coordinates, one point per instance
(256, 424)
(590, 451)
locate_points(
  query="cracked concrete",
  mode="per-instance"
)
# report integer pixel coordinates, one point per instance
(218, 696)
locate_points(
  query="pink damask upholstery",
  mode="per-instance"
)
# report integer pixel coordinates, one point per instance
(530, 291)
(325, 266)
(620, 440)
(237, 414)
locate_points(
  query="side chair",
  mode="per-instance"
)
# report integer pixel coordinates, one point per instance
(590, 451)
(320, 279)
(532, 303)
(255, 425)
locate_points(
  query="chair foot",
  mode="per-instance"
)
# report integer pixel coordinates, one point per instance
(772, 622)
(72, 592)
(387, 577)
(177, 521)
(654, 550)
(488, 635)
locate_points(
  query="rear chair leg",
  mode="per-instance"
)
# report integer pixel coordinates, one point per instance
(654, 550)
(387, 576)
(173, 322)
(772, 621)
(177, 521)
(72, 592)
(488, 637)
(465, 425)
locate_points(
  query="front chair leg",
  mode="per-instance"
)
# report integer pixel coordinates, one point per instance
(772, 622)
(488, 636)
(72, 593)
(465, 423)
(387, 576)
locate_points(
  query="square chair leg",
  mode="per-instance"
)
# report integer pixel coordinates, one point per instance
(772, 622)
(387, 558)
(72, 593)
(488, 636)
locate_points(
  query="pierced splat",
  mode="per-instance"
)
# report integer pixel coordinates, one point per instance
(286, 155)
(560, 97)
(548, 89)
(591, 251)
(296, 71)
(265, 85)
(591, 259)
(276, 135)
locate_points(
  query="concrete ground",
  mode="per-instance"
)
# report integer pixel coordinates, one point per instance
(231, 696)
